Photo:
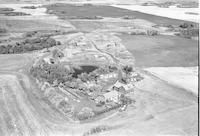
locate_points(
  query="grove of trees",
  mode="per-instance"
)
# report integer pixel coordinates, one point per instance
(52, 73)
(28, 45)
(188, 30)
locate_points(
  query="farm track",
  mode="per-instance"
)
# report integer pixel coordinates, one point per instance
(22, 118)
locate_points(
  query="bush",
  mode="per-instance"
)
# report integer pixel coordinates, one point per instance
(30, 34)
(127, 69)
(86, 17)
(152, 32)
(3, 30)
(186, 25)
(189, 33)
(96, 130)
(16, 14)
(29, 7)
(85, 113)
(128, 17)
(65, 106)
(6, 9)
(57, 54)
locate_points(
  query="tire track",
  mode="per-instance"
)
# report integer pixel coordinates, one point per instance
(18, 115)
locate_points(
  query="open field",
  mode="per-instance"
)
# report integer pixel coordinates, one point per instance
(67, 10)
(171, 12)
(162, 51)
(178, 76)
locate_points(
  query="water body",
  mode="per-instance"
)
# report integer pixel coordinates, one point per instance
(84, 69)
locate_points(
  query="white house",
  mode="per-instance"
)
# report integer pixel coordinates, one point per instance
(112, 96)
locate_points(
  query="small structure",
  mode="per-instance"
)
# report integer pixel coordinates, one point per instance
(57, 54)
(120, 89)
(112, 96)
(115, 88)
(107, 76)
(100, 99)
(45, 86)
(81, 44)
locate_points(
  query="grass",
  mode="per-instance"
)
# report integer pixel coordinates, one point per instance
(67, 11)
(13, 25)
(162, 51)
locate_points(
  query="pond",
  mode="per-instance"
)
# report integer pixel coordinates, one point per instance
(84, 69)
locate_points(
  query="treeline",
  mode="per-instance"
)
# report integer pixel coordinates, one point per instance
(58, 73)
(29, 7)
(86, 17)
(144, 32)
(96, 130)
(28, 45)
(16, 14)
(11, 12)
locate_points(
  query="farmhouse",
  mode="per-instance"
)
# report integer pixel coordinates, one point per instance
(100, 99)
(110, 75)
(45, 86)
(112, 96)
(126, 87)
(120, 89)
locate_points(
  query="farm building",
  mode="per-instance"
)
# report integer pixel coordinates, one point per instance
(112, 96)
(100, 99)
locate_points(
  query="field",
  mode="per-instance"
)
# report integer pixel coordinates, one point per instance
(67, 10)
(115, 72)
(163, 10)
(178, 76)
(162, 51)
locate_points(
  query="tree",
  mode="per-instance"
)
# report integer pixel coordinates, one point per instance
(100, 100)
(95, 89)
(52, 72)
(85, 113)
(57, 54)
(186, 25)
(122, 89)
(50, 42)
(3, 49)
(92, 76)
(2, 30)
(84, 77)
(127, 69)
(112, 68)
(64, 106)
(30, 34)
